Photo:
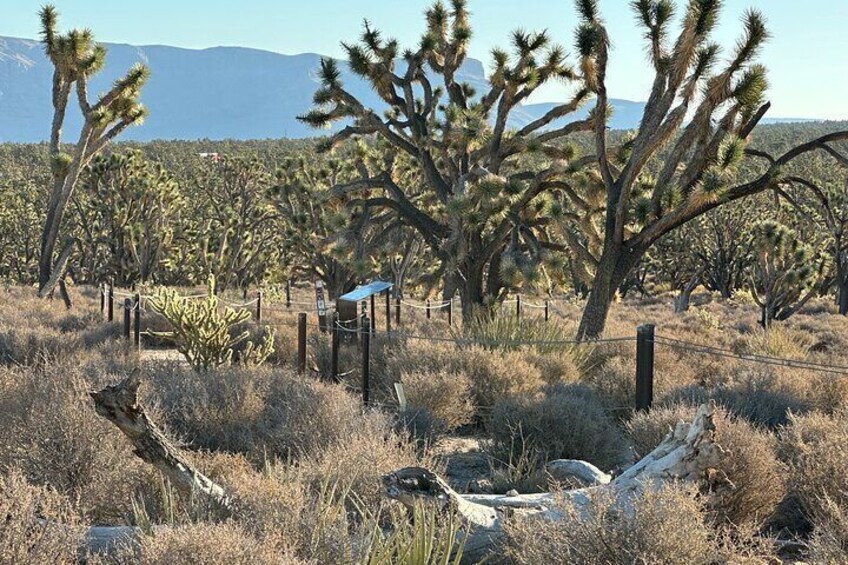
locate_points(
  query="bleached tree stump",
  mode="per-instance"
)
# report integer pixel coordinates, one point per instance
(687, 454)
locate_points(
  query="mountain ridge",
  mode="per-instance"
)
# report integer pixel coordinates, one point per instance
(221, 92)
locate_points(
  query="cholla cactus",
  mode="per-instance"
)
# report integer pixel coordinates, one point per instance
(784, 273)
(204, 331)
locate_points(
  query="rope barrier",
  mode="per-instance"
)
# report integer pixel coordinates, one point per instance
(517, 342)
(425, 307)
(764, 359)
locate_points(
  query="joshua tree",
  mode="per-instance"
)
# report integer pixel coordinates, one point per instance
(826, 205)
(126, 214)
(476, 196)
(670, 171)
(337, 240)
(783, 276)
(484, 203)
(76, 58)
(237, 238)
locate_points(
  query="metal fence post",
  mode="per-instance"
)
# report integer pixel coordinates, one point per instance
(518, 306)
(334, 348)
(450, 312)
(428, 308)
(644, 366)
(102, 300)
(547, 309)
(259, 306)
(110, 303)
(366, 360)
(301, 343)
(127, 313)
(397, 311)
(388, 311)
(137, 321)
(373, 315)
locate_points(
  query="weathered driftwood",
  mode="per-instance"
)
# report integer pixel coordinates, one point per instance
(120, 405)
(688, 453)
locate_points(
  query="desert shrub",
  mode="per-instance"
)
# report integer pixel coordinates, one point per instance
(561, 366)
(202, 544)
(206, 332)
(764, 397)
(776, 341)
(444, 396)
(38, 525)
(665, 526)
(493, 374)
(750, 464)
(51, 433)
(829, 542)
(261, 412)
(814, 447)
(569, 423)
(26, 344)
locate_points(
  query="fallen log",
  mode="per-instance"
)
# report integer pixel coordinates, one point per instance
(120, 405)
(687, 454)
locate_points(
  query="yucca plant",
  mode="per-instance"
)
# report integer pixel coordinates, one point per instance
(205, 331)
(429, 539)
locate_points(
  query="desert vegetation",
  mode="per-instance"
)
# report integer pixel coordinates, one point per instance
(508, 433)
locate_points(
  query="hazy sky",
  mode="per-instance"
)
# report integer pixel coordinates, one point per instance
(807, 56)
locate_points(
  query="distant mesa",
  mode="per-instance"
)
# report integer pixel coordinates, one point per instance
(216, 93)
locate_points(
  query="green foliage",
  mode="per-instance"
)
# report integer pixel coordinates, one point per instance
(783, 273)
(206, 333)
(427, 539)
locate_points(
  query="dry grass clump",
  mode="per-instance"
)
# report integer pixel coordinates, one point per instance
(829, 542)
(50, 432)
(201, 544)
(814, 447)
(568, 423)
(756, 478)
(664, 526)
(37, 525)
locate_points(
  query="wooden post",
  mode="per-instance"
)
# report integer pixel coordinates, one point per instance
(334, 348)
(366, 360)
(288, 294)
(428, 308)
(388, 311)
(110, 302)
(259, 306)
(244, 294)
(547, 309)
(301, 343)
(518, 306)
(127, 313)
(450, 312)
(644, 366)
(102, 300)
(397, 311)
(137, 321)
(373, 315)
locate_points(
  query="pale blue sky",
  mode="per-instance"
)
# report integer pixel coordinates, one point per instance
(807, 57)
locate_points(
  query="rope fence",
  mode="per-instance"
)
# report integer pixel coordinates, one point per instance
(362, 329)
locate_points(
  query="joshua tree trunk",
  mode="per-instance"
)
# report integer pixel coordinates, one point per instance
(842, 284)
(615, 264)
(681, 301)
